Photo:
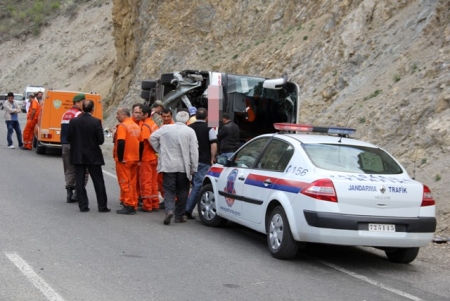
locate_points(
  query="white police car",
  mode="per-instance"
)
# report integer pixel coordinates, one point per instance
(331, 189)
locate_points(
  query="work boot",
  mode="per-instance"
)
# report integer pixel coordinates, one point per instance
(128, 210)
(70, 195)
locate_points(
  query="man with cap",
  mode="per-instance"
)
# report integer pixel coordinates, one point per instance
(69, 169)
(156, 112)
(32, 117)
(192, 118)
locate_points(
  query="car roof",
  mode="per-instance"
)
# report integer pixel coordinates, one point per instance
(321, 138)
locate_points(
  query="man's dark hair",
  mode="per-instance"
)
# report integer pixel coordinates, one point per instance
(226, 116)
(165, 111)
(146, 110)
(88, 106)
(201, 114)
(10, 94)
(136, 105)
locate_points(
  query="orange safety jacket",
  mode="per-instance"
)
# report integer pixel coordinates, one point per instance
(148, 127)
(129, 132)
(34, 105)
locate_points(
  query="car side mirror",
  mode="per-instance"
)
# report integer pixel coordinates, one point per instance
(23, 98)
(222, 160)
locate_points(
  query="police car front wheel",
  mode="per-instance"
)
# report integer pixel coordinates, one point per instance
(207, 208)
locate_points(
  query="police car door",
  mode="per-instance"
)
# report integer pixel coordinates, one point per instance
(260, 185)
(232, 179)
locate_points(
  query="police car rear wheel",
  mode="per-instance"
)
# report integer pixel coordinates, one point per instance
(279, 237)
(402, 255)
(207, 209)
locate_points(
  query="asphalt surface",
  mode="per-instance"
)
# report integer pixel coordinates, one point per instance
(51, 251)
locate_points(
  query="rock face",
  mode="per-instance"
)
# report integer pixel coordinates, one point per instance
(380, 66)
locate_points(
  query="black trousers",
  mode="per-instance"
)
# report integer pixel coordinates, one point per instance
(99, 185)
(175, 184)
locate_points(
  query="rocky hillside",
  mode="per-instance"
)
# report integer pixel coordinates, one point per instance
(380, 66)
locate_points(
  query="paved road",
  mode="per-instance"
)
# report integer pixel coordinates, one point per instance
(51, 251)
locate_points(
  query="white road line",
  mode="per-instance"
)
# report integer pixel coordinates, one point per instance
(368, 280)
(109, 174)
(34, 278)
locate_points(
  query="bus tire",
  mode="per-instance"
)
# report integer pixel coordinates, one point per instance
(166, 79)
(145, 94)
(148, 84)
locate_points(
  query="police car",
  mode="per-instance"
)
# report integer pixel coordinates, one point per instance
(321, 188)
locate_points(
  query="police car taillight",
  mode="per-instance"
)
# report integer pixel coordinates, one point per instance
(313, 129)
(322, 189)
(427, 199)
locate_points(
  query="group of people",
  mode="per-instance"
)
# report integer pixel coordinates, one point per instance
(12, 109)
(153, 153)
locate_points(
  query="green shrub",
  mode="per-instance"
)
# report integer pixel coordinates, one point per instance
(373, 95)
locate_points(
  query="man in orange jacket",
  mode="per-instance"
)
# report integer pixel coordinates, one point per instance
(136, 115)
(32, 117)
(148, 173)
(127, 151)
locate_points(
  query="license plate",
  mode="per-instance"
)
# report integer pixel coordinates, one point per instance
(381, 228)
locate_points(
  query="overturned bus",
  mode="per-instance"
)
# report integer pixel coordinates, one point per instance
(254, 103)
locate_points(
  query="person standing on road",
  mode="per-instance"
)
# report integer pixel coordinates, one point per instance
(178, 160)
(136, 110)
(69, 169)
(126, 153)
(12, 110)
(156, 112)
(192, 115)
(228, 136)
(207, 150)
(166, 116)
(39, 96)
(148, 173)
(85, 135)
(32, 117)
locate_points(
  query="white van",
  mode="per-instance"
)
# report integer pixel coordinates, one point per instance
(31, 89)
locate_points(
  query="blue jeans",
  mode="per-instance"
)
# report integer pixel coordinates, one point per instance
(197, 180)
(13, 125)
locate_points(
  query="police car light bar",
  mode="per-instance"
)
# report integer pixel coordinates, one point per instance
(313, 129)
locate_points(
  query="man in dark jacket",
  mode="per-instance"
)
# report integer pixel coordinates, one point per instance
(228, 136)
(207, 150)
(85, 136)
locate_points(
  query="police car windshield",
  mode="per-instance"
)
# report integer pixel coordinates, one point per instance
(351, 158)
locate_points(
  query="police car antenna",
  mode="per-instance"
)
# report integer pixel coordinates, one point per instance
(346, 125)
(415, 163)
